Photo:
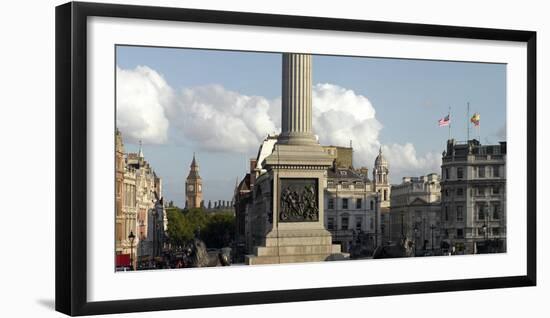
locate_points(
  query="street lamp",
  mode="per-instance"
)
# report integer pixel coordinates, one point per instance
(415, 237)
(402, 227)
(141, 240)
(131, 237)
(382, 228)
(485, 228)
(432, 228)
(155, 214)
(377, 199)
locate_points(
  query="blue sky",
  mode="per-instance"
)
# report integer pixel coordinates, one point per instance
(408, 97)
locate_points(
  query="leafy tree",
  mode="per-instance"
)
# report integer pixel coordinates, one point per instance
(178, 232)
(220, 230)
(216, 229)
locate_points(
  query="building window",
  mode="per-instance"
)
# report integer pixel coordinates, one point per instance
(481, 213)
(371, 224)
(496, 171)
(460, 173)
(496, 231)
(481, 191)
(460, 233)
(331, 204)
(371, 205)
(345, 222)
(358, 222)
(447, 174)
(496, 190)
(460, 192)
(345, 185)
(330, 223)
(344, 203)
(446, 213)
(446, 192)
(459, 214)
(359, 204)
(481, 171)
(496, 212)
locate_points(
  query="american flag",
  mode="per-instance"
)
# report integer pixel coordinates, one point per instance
(445, 121)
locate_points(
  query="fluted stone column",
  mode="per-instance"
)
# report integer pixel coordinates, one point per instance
(296, 100)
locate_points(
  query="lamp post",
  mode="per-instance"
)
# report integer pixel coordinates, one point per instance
(376, 219)
(154, 233)
(402, 228)
(432, 228)
(382, 228)
(131, 237)
(415, 237)
(487, 229)
(141, 240)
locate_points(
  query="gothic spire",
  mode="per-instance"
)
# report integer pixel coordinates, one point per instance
(140, 153)
(194, 171)
(194, 162)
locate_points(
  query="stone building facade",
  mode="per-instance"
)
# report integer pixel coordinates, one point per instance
(473, 191)
(342, 156)
(242, 199)
(193, 187)
(352, 210)
(136, 187)
(415, 212)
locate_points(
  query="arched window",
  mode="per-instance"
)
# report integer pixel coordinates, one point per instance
(385, 195)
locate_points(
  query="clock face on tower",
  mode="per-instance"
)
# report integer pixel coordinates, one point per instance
(190, 187)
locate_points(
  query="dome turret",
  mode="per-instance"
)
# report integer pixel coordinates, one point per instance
(380, 160)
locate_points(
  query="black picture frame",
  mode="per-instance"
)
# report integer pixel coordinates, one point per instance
(71, 157)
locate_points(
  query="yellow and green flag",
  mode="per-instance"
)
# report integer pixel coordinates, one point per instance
(475, 119)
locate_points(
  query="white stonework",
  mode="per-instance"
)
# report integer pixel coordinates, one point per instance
(415, 212)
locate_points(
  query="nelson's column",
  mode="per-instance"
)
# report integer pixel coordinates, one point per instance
(287, 217)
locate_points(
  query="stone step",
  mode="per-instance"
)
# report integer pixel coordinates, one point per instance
(257, 260)
(296, 250)
(294, 241)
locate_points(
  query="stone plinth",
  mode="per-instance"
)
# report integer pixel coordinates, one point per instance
(295, 246)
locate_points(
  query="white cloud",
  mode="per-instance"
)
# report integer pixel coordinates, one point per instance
(213, 118)
(404, 161)
(142, 97)
(341, 115)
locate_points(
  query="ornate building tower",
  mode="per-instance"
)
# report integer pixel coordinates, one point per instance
(193, 186)
(380, 179)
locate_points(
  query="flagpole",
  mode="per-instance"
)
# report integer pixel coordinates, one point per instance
(468, 123)
(479, 130)
(449, 122)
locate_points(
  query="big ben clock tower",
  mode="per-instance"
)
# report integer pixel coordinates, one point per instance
(193, 186)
